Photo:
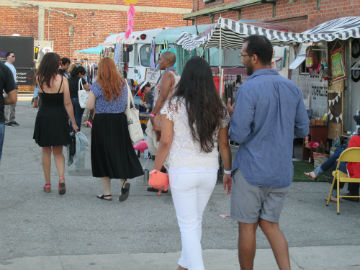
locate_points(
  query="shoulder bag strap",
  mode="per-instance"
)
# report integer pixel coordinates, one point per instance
(130, 100)
(80, 85)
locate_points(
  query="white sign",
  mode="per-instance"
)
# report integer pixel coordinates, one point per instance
(297, 62)
(152, 75)
(46, 50)
(319, 97)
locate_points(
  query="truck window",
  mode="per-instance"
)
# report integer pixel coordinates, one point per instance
(145, 52)
(135, 55)
(230, 57)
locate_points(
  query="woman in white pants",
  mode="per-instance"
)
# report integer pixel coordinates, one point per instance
(194, 124)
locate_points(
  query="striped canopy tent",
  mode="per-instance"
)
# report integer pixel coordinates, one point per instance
(227, 33)
(342, 28)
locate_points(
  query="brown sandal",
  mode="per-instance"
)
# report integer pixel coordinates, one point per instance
(47, 188)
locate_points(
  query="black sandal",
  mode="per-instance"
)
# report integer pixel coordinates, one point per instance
(103, 197)
(124, 191)
(62, 186)
(152, 189)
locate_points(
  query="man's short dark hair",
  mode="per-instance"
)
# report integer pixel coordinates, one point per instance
(8, 54)
(260, 46)
(65, 60)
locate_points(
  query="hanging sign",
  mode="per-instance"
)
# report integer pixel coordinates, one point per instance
(337, 65)
(319, 97)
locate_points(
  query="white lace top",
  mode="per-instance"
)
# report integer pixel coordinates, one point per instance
(185, 151)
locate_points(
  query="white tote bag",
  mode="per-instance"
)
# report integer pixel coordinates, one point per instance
(82, 94)
(132, 115)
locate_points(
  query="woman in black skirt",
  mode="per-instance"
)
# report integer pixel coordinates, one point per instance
(112, 154)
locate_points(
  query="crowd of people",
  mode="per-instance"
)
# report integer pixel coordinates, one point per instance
(189, 127)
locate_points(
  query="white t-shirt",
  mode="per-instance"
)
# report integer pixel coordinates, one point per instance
(13, 70)
(185, 151)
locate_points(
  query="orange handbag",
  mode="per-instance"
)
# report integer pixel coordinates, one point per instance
(159, 180)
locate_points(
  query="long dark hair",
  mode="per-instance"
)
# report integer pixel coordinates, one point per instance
(49, 67)
(203, 104)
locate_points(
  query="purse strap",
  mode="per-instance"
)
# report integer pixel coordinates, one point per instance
(80, 85)
(130, 99)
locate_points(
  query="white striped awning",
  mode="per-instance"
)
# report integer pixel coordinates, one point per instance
(342, 28)
(233, 34)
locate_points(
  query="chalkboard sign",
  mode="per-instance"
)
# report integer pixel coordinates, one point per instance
(23, 47)
(25, 76)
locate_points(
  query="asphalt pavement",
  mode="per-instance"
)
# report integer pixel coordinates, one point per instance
(78, 231)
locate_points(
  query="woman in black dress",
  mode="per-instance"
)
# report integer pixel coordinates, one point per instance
(51, 126)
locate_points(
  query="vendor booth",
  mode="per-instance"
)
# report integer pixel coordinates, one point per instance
(327, 71)
(228, 35)
(325, 64)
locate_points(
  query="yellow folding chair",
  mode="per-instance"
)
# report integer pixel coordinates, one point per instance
(349, 155)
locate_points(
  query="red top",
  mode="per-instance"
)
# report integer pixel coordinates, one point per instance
(354, 167)
(140, 94)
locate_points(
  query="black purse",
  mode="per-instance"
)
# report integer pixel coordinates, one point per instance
(72, 144)
(71, 148)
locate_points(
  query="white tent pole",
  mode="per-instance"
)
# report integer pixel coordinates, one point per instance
(221, 71)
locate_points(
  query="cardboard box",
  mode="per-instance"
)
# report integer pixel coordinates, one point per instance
(334, 129)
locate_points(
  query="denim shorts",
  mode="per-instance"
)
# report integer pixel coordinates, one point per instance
(249, 203)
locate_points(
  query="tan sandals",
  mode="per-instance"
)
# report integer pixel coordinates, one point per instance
(310, 175)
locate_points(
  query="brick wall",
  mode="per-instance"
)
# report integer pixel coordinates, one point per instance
(159, 3)
(298, 16)
(90, 27)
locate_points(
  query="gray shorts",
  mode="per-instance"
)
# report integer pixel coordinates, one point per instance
(249, 203)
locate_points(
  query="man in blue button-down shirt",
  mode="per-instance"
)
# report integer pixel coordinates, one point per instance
(268, 113)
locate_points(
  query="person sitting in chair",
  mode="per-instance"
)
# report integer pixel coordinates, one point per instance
(353, 169)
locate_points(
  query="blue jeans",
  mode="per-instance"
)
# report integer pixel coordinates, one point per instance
(331, 163)
(2, 135)
(78, 112)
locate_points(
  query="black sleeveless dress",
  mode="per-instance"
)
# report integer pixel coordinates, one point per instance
(51, 124)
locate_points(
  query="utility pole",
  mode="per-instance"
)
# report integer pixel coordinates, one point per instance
(41, 25)
(41, 16)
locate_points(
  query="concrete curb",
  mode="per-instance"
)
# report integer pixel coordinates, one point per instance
(312, 258)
